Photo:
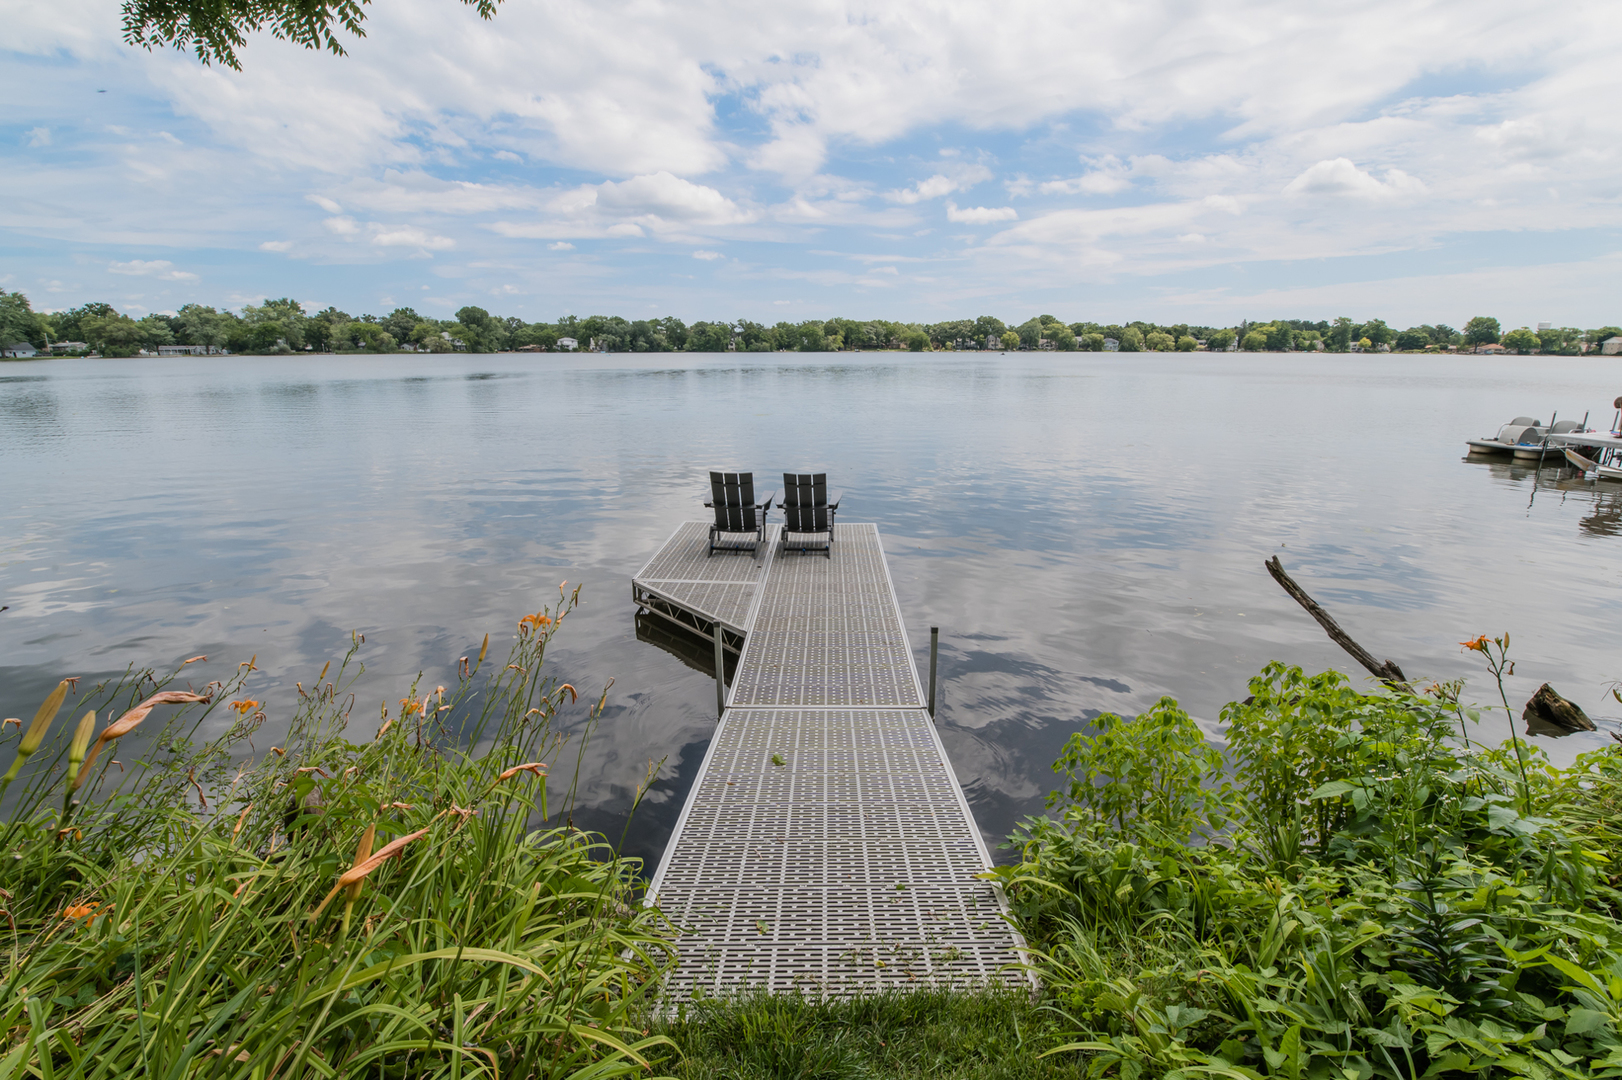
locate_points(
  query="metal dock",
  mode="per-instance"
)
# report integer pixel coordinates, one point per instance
(825, 846)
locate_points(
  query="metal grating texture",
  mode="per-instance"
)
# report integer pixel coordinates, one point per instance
(828, 632)
(721, 587)
(849, 867)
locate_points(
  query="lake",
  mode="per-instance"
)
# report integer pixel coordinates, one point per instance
(1088, 530)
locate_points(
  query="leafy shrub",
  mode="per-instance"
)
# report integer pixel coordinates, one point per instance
(1385, 897)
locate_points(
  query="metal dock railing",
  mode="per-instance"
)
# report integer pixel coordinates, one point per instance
(826, 845)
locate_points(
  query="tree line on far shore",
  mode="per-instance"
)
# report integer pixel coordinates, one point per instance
(283, 326)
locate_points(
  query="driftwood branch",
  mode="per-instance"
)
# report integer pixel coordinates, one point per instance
(1387, 672)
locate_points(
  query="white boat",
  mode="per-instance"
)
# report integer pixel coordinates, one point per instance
(1523, 431)
(1525, 438)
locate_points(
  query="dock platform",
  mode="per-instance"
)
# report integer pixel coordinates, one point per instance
(825, 846)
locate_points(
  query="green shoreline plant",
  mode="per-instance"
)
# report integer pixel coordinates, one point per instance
(1349, 891)
(329, 907)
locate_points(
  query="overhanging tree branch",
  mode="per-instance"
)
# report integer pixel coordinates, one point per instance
(216, 29)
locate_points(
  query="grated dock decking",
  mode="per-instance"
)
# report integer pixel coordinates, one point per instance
(852, 865)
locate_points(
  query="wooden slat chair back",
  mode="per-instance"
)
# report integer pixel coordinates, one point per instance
(732, 495)
(808, 513)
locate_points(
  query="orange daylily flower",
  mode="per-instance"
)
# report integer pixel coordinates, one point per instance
(1476, 644)
(246, 705)
(87, 911)
(536, 621)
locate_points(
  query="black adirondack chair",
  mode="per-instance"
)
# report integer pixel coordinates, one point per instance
(740, 522)
(808, 508)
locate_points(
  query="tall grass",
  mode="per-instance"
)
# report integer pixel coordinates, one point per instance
(337, 905)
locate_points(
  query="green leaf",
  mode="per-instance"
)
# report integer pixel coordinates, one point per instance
(1581, 1020)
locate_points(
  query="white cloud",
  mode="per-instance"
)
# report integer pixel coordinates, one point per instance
(276, 245)
(659, 204)
(979, 215)
(707, 256)
(561, 245)
(384, 236)
(1108, 176)
(1340, 177)
(162, 269)
(670, 198)
(941, 184)
(716, 121)
(40, 136)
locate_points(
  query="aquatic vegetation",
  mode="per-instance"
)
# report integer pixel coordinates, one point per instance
(1363, 894)
(328, 907)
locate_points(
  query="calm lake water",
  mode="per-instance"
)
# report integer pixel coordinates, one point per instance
(1088, 531)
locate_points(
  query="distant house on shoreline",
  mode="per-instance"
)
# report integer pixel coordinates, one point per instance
(1490, 350)
(1611, 346)
(19, 350)
(1111, 345)
(568, 344)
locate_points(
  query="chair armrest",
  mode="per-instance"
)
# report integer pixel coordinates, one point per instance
(833, 499)
(766, 503)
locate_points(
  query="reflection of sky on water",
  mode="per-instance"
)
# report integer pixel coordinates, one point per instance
(1087, 531)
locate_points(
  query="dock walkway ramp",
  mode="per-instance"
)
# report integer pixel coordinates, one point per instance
(826, 845)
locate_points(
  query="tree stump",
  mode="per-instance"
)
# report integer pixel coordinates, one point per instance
(1550, 714)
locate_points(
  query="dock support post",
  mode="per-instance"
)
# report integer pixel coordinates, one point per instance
(934, 646)
(720, 674)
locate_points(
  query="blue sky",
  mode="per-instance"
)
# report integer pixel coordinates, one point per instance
(1180, 161)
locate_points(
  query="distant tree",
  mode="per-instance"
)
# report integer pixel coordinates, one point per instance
(1159, 341)
(69, 325)
(1092, 342)
(1010, 340)
(155, 331)
(1063, 338)
(1130, 339)
(401, 322)
(755, 337)
(112, 335)
(1255, 341)
(1340, 335)
(216, 29)
(429, 336)
(709, 337)
(1413, 339)
(1186, 343)
(1279, 335)
(1219, 340)
(543, 334)
(1442, 334)
(1560, 341)
(674, 331)
(988, 326)
(1598, 337)
(286, 313)
(18, 321)
(917, 340)
(1481, 330)
(1521, 340)
(1305, 340)
(1378, 332)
